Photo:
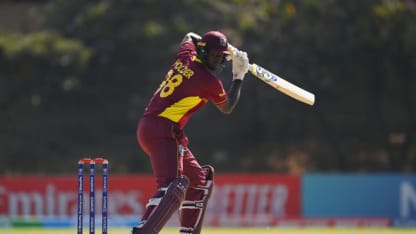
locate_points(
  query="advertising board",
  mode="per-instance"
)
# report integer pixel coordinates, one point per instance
(238, 199)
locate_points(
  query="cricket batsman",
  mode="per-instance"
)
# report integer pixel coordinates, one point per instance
(190, 83)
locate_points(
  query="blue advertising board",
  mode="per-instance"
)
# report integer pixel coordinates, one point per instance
(360, 195)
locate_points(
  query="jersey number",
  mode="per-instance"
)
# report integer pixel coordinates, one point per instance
(169, 84)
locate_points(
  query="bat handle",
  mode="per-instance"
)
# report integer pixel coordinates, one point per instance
(233, 50)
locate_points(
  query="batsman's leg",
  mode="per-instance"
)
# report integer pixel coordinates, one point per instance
(162, 208)
(192, 210)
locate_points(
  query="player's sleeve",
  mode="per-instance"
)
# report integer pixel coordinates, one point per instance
(217, 94)
(186, 47)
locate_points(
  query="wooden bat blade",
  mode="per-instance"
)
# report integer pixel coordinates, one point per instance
(277, 82)
(282, 85)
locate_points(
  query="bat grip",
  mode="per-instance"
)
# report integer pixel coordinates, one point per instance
(233, 50)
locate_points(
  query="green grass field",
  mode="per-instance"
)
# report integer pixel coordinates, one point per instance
(227, 231)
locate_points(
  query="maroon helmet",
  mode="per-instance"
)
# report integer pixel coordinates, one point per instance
(214, 41)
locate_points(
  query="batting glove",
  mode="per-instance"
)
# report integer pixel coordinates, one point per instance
(192, 36)
(240, 64)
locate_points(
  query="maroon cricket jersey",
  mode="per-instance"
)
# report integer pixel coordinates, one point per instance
(187, 87)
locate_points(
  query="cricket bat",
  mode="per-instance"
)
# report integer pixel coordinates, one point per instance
(279, 83)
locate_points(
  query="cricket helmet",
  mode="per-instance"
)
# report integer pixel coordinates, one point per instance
(214, 41)
(213, 44)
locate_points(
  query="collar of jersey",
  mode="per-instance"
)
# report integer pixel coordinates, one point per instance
(194, 58)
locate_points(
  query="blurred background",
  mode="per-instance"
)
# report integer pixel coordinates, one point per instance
(76, 75)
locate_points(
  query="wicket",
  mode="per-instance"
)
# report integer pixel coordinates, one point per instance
(92, 163)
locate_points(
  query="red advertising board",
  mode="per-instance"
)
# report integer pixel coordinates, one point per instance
(242, 199)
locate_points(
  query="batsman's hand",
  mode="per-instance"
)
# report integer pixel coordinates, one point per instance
(192, 36)
(240, 64)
